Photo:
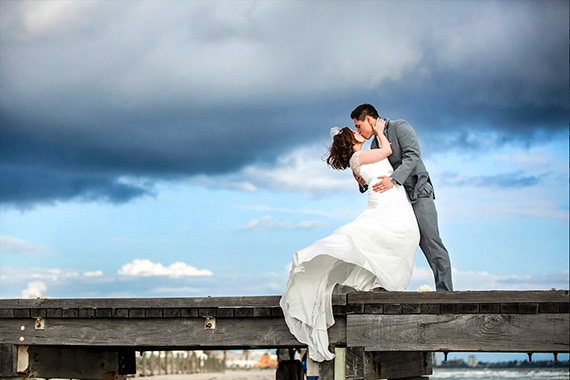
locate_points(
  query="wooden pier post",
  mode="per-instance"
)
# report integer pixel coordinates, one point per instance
(354, 363)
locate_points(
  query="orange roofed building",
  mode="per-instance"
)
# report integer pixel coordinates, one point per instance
(267, 361)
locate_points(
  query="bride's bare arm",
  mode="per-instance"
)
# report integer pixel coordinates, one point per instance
(375, 155)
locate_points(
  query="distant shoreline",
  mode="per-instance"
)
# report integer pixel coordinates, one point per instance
(541, 364)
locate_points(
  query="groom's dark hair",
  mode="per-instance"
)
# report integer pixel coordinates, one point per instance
(364, 110)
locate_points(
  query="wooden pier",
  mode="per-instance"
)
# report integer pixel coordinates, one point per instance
(376, 334)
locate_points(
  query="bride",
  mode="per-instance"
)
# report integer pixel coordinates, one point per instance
(376, 250)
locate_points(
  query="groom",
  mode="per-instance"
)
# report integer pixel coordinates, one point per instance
(409, 171)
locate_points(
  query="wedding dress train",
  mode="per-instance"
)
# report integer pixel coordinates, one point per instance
(377, 249)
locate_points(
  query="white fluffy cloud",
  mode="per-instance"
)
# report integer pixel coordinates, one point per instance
(34, 289)
(147, 268)
(95, 273)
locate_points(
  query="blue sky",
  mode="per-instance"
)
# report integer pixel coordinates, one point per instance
(154, 149)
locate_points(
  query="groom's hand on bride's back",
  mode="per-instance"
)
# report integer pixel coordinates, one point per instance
(385, 184)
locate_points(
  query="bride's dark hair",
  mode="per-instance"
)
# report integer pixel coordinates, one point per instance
(341, 149)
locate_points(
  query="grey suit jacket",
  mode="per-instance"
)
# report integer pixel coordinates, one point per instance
(409, 169)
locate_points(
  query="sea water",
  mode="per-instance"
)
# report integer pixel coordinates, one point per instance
(499, 374)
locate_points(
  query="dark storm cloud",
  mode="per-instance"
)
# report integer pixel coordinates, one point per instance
(100, 99)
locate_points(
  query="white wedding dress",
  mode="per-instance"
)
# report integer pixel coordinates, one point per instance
(377, 249)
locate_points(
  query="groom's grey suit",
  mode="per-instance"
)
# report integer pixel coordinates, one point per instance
(410, 171)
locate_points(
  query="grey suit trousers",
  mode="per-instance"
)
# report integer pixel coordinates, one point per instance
(431, 244)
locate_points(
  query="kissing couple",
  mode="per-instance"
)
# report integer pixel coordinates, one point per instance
(377, 250)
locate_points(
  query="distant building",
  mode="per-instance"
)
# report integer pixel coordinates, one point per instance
(267, 361)
(250, 359)
(472, 361)
(437, 358)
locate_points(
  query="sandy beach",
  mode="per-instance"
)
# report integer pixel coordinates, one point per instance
(267, 374)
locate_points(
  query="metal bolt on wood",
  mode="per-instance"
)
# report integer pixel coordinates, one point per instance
(40, 324)
(210, 323)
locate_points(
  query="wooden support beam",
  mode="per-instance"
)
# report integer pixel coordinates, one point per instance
(468, 297)
(326, 370)
(460, 332)
(79, 363)
(340, 363)
(8, 360)
(290, 370)
(402, 365)
(358, 364)
(188, 333)
(312, 368)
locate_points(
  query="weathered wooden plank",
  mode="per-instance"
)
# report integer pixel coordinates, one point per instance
(363, 302)
(7, 303)
(150, 313)
(340, 363)
(171, 313)
(551, 307)
(186, 312)
(354, 363)
(399, 365)
(312, 367)
(449, 308)
(243, 312)
(411, 308)
(86, 313)
(374, 309)
(99, 313)
(326, 370)
(7, 313)
(468, 308)
(460, 332)
(498, 296)
(136, 313)
(489, 308)
(8, 360)
(21, 313)
(392, 308)
(225, 312)
(189, 302)
(261, 312)
(339, 309)
(430, 308)
(339, 299)
(276, 312)
(164, 303)
(81, 363)
(353, 308)
(69, 313)
(160, 332)
(208, 312)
